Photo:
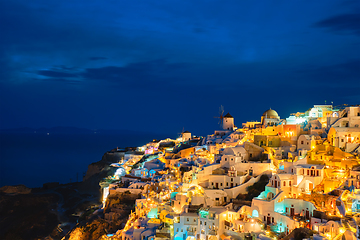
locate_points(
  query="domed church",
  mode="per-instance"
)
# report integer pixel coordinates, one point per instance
(270, 118)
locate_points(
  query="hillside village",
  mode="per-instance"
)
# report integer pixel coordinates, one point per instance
(263, 180)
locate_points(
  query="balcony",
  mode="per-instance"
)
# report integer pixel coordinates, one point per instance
(228, 224)
(191, 233)
(190, 223)
(212, 232)
(163, 232)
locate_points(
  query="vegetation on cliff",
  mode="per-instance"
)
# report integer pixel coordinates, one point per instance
(255, 189)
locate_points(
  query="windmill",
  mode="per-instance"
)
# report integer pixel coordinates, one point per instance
(180, 133)
(221, 113)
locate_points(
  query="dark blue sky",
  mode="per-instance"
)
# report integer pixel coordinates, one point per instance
(160, 66)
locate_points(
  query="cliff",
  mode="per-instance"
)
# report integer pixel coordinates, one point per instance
(52, 211)
(99, 170)
(27, 216)
(96, 223)
(18, 189)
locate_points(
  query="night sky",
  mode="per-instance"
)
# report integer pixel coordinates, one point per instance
(161, 66)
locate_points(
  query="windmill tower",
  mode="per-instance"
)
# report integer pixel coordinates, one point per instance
(185, 135)
(227, 121)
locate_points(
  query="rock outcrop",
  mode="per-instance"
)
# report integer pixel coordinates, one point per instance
(99, 170)
(108, 220)
(18, 189)
(27, 216)
(50, 212)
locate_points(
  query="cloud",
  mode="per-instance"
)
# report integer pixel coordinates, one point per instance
(199, 30)
(144, 73)
(97, 58)
(140, 72)
(334, 74)
(345, 23)
(63, 80)
(56, 74)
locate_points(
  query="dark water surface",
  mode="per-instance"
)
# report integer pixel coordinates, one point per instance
(33, 159)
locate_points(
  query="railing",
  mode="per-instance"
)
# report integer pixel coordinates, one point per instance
(163, 233)
(191, 233)
(338, 237)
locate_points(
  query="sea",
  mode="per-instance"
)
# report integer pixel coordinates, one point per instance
(33, 158)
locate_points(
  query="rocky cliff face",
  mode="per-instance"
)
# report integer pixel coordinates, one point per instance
(48, 212)
(27, 216)
(108, 220)
(18, 189)
(99, 170)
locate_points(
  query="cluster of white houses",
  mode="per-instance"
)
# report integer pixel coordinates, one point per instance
(191, 186)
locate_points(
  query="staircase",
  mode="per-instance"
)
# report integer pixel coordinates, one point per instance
(350, 224)
(338, 237)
